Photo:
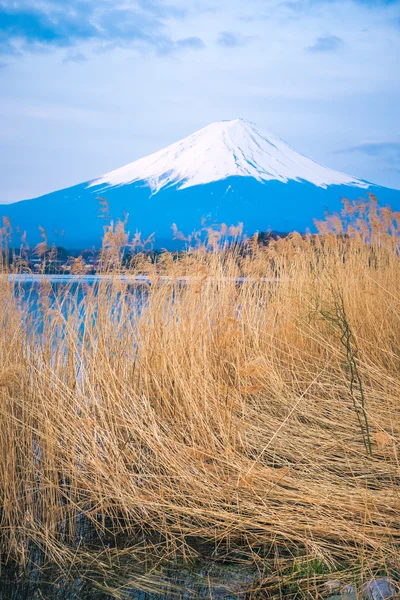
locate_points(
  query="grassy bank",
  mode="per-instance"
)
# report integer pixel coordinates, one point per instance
(263, 416)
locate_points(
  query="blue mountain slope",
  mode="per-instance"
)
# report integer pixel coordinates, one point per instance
(228, 172)
(260, 206)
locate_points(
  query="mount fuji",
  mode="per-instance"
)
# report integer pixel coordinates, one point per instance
(228, 172)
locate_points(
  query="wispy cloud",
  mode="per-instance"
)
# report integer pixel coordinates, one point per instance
(75, 57)
(167, 46)
(378, 2)
(37, 24)
(230, 39)
(384, 153)
(161, 8)
(378, 148)
(326, 43)
(300, 4)
(192, 43)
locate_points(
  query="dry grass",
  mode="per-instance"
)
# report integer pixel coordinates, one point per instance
(221, 412)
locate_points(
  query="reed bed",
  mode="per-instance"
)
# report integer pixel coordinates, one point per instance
(263, 415)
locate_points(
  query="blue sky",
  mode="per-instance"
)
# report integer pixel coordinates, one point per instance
(89, 85)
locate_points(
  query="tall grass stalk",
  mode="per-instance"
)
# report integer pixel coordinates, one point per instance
(210, 410)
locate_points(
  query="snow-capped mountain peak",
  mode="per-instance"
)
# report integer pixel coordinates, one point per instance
(225, 149)
(228, 172)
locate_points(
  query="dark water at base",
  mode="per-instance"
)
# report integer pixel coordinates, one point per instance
(202, 580)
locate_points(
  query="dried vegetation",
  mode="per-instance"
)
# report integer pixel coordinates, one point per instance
(263, 415)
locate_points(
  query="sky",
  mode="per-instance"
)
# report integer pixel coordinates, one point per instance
(87, 86)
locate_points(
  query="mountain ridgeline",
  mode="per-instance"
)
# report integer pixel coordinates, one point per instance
(228, 172)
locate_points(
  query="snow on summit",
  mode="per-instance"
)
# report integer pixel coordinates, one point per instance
(225, 149)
